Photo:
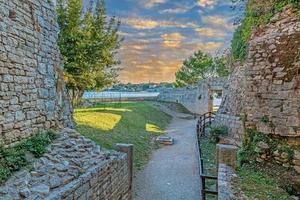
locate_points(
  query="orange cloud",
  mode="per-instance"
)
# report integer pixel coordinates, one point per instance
(172, 40)
(210, 46)
(140, 23)
(152, 71)
(158, 65)
(210, 32)
(218, 21)
(151, 3)
(206, 3)
(174, 10)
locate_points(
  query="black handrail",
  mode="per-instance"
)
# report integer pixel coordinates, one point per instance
(201, 124)
(204, 119)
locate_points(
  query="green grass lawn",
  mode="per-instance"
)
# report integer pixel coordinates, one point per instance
(128, 122)
(176, 106)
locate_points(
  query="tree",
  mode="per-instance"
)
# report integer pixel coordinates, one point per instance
(200, 66)
(88, 42)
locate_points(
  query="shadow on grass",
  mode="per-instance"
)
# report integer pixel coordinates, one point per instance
(137, 125)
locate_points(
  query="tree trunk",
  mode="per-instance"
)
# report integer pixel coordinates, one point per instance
(76, 97)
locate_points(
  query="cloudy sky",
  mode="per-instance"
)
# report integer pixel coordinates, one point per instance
(160, 34)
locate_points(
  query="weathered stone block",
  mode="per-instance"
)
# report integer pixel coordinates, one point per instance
(227, 154)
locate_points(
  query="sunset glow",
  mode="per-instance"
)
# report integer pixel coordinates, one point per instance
(160, 34)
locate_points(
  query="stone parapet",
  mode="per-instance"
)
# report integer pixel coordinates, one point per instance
(226, 174)
(73, 168)
(226, 157)
(196, 98)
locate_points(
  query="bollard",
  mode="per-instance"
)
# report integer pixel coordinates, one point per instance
(128, 149)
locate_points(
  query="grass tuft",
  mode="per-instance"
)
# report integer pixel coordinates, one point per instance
(256, 184)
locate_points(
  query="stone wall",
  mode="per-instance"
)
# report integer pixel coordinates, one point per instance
(264, 93)
(196, 98)
(32, 93)
(32, 98)
(231, 112)
(73, 168)
(273, 77)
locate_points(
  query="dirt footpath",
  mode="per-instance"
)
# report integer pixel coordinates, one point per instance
(172, 172)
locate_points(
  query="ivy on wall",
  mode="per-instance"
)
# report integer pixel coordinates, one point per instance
(257, 13)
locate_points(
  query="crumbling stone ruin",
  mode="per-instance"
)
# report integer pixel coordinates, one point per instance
(33, 98)
(73, 168)
(264, 93)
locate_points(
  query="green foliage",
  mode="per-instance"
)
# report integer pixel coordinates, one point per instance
(38, 143)
(215, 133)
(209, 154)
(257, 185)
(200, 66)
(265, 119)
(88, 42)
(257, 13)
(287, 149)
(208, 149)
(248, 152)
(13, 158)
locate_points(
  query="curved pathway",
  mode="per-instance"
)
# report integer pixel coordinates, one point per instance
(172, 172)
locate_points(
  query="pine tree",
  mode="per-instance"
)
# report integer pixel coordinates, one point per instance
(200, 66)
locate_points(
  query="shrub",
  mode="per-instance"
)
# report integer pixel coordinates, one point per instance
(4, 172)
(248, 152)
(38, 143)
(13, 158)
(265, 119)
(215, 133)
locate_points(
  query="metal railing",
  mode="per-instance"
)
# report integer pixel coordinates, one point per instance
(204, 120)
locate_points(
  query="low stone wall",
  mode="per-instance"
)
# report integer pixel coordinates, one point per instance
(196, 98)
(226, 161)
(74, 168)
(226, 174)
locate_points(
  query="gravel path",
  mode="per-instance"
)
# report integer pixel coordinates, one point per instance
(172, 172)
